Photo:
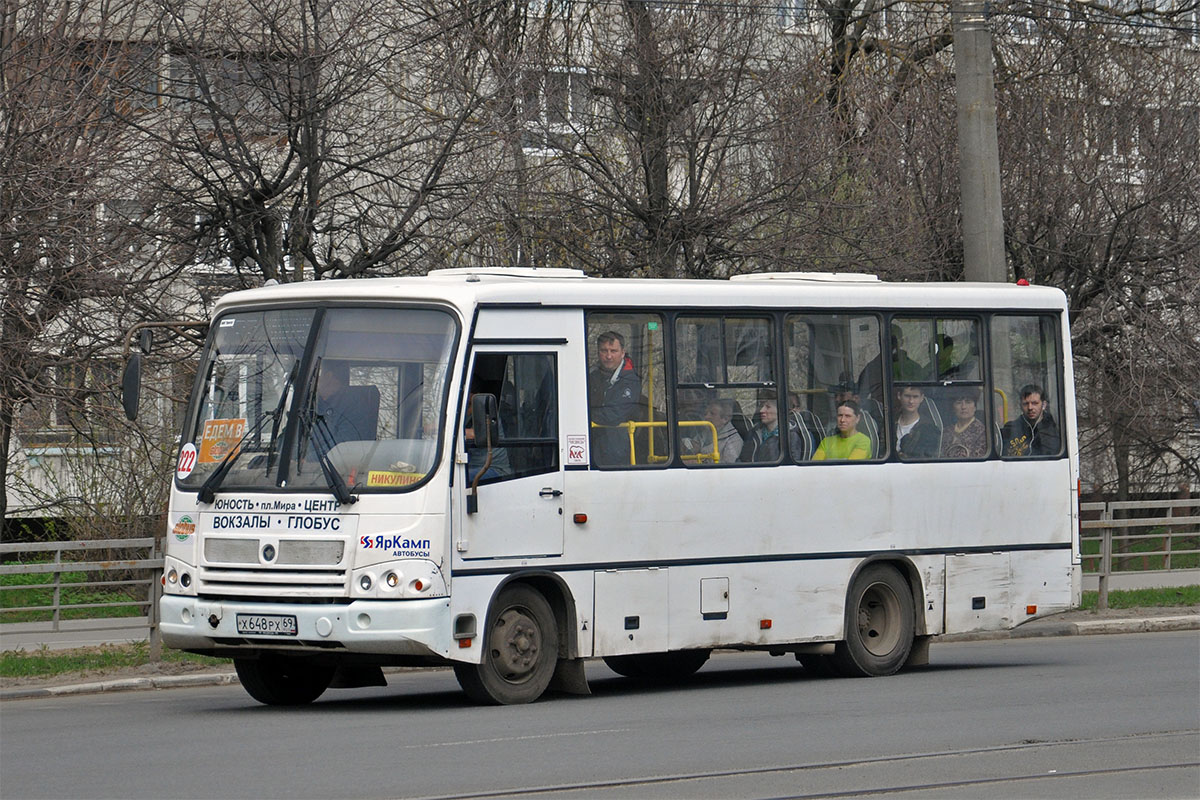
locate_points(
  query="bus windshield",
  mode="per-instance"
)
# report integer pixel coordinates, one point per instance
(361, 410)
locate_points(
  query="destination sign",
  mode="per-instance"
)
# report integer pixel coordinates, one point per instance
(279, 523)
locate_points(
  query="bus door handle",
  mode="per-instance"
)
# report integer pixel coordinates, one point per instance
(548, 492)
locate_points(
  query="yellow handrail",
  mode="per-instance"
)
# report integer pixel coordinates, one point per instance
(1003, 404)
(651, 457)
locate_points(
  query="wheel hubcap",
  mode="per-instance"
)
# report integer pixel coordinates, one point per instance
(878, 619)
(516, 645)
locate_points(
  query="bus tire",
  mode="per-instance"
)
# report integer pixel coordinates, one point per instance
(669, 667)
(520, 650)
(280, 681)
(879, 624)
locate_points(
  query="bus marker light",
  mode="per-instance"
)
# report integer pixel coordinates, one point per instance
(1030, 610)
(764, 624)
(580, 519)
(417, 585)
(463, 644)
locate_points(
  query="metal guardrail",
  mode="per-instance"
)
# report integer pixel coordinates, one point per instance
(1129, 545)
(81, 557)
(1132, 542)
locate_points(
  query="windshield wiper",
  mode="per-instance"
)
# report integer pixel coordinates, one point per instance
(316, 431)
(278, 415)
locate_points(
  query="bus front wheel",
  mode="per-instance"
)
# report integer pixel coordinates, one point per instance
(879, 624)
(279, 681)
(520, 650)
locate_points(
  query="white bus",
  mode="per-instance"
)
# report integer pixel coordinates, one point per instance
(511, 471)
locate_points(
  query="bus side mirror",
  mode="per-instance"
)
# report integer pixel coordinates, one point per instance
(486, 425)
(131, 386)
(486, 419)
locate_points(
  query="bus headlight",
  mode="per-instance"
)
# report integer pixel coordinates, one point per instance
(178, 577)
(395, 580)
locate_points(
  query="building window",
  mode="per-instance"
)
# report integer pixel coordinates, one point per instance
(555, 105)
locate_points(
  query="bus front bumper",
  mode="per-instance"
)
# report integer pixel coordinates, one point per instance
(397, 627)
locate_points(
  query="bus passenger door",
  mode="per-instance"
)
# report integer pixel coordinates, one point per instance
(519, 510)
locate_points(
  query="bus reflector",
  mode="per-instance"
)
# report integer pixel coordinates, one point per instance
(580, 519)
(464, 643)
(764, 624)
(1030, 609)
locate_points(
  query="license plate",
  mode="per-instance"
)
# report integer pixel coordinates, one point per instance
(266, 624)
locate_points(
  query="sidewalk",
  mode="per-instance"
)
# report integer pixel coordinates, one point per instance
(1071, 623)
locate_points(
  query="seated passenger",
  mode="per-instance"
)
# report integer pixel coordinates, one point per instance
(917, 436)
(966, 437)
(729, 442)
(763, 444)
(871, 416)
(848, 444)
(1034, 433)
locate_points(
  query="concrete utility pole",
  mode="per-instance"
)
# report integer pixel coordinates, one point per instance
(978, 152)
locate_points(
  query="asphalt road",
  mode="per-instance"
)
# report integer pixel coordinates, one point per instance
(1081, 716)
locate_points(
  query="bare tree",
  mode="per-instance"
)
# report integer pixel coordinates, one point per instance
(1100, 136)
(310, 140)
(73, 267)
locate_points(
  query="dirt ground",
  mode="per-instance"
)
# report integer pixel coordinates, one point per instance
(165, 668)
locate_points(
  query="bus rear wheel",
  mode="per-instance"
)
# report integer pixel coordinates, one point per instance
(879, 624)
(658, 667)
(520, 650)
(280, 681)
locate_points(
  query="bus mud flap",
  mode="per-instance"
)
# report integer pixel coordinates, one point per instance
(569, 677)
(919, 655)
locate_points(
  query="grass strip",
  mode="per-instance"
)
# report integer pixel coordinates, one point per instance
(1145, 598)
(46, 662)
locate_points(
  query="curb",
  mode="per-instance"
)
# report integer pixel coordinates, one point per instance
(1050, 627)
(1041, 629)
(123, 685)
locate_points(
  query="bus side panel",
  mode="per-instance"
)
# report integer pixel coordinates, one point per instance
(767, 603)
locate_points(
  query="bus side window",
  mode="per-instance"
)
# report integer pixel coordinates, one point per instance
(525, 387)
(1026, 366)
(832, 358)
(723, 364)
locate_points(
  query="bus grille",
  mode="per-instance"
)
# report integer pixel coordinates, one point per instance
(272, 582)
(300, 568)
(291, 552)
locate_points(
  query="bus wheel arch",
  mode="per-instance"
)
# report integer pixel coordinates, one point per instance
(521, 647)
(881, 621)
(562, 603)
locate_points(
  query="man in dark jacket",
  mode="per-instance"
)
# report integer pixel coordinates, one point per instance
(1034, 433)
(613, 392)
(917, 436)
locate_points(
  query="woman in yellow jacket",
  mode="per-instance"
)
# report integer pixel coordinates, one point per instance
(847, 444)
